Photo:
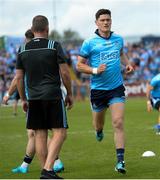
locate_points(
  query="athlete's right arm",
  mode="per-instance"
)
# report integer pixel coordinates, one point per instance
(84, 68)
(10, 91)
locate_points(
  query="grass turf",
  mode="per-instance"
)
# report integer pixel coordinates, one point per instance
(82, 155)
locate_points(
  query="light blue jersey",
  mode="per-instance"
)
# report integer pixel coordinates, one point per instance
(99, 50)
(155, 83)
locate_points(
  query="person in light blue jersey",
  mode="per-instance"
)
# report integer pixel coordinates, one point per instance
(104, 54)
(153, 97)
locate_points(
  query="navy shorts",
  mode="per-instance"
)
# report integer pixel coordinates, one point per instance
(155, 103)
(101, 99)
(46, 114)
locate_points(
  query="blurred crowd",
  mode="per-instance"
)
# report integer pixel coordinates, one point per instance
(145, 59)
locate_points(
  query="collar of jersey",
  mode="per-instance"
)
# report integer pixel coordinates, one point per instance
(96, 32)
(39, 37)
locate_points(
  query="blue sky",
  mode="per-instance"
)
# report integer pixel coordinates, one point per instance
(129, 17)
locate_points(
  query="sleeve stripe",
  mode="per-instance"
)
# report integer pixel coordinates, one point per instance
(50, 44)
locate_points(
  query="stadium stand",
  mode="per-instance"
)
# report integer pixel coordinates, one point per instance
(144, 56)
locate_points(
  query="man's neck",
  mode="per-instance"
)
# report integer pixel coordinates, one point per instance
(104, 34)
(40, 35)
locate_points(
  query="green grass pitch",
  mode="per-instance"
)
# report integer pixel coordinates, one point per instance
(82, 155)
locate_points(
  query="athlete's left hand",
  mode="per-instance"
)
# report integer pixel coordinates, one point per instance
(25, 106)
(129, 68)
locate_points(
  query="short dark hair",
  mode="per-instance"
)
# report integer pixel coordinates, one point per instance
(29, 34)
(101, 12)
(39, 23)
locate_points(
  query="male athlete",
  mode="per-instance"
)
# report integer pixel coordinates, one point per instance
(104, 53)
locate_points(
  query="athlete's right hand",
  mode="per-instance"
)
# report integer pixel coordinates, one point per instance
(24, 106)
(5, 99)
(68, 102)
(101, 68)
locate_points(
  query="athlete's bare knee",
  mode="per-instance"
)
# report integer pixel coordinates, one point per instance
(64, 134)
(61, 133)
(118, 123)
(31, 134)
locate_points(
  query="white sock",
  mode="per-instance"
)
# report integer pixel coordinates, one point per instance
(57, 161)
(24, 165)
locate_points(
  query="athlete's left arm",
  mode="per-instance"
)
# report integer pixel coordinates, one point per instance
(65, 75)
(126, 62)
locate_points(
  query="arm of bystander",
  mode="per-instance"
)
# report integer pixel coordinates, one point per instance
(20, 86)
(64, 71)
(10, 91)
